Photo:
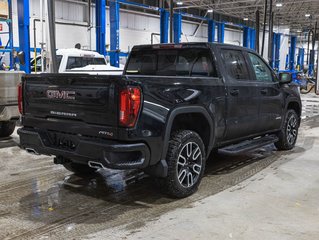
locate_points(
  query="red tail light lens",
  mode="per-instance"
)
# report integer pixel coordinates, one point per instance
(130, 103)
(20, 100)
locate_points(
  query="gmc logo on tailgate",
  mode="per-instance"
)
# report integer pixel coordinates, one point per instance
(57, 94)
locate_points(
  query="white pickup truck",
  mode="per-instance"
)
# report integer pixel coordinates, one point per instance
(73, 60)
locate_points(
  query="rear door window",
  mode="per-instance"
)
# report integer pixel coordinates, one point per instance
(235, 64)
(172, 62)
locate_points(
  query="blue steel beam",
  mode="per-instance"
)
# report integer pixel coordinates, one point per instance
(164, 18)
(211, 31)
(115, 33)
(177, 27)
(221, 32)
(100, 15)
(24, 33)
(277, 50)
(292, 52)
(252, 38)
(301, 56)
(246, 37)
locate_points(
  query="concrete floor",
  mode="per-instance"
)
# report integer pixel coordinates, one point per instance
(264, 194)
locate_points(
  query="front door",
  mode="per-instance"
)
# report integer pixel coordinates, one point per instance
(271, 98)
(242, 97)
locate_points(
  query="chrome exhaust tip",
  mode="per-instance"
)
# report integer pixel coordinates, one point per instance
(95, 165)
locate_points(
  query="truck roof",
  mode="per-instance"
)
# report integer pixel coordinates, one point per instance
(74, 52)
(182, 45)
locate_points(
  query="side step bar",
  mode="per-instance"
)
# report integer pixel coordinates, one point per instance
(249, 145)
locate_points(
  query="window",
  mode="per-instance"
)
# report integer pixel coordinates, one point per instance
(235, 64)
(201, 67)
(58, 60)
(78, 62)
(262, 71)
(172, 62)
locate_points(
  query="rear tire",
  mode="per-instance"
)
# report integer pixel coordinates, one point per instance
(7, 128)
(289, 132)
(186, 164)
(78, 168)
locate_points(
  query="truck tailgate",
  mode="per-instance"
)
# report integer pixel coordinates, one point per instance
(73, 97)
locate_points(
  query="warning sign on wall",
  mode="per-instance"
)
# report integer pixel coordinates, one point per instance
(0, 27)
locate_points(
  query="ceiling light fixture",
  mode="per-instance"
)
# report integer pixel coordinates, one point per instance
(246, 19)
(278, 4)
(210, 10)
(179, 3)
(307, 15)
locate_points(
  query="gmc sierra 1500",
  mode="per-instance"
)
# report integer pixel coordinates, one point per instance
(173, 106)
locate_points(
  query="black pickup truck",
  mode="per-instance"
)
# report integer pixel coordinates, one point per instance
(173, 106)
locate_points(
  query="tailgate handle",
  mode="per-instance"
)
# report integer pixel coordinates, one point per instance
(264, 91)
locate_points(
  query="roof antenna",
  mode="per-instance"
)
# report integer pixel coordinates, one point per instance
(78, 46)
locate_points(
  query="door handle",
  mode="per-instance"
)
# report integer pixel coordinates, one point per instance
(264, 91)
(234, 92)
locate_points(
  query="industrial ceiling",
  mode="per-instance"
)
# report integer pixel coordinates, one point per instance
(299, 15)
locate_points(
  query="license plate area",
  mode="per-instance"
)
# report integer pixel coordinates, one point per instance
(62, 141)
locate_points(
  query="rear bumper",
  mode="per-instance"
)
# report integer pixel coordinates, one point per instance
(110, 154)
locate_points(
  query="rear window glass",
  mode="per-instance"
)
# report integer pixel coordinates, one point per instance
(78, 62)
(171, 62)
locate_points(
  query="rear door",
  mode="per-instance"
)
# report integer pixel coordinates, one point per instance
(270, 96)
(242, 97)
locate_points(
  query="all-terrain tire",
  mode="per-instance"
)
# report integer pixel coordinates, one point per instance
(185, 147)
(78, 168)
(289, 132)
(7, 128)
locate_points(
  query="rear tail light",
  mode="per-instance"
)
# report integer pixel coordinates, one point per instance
(130, 103)
(20, 100)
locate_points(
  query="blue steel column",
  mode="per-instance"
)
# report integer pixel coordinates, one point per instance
(252, 38)
(301, 58)
(246, 37)
(100, 21)
(211, 31)
(221, 32)
(24, 32)
(277, 50)
(115, 33)
(292, 52)
(164, 18)
(177, 27)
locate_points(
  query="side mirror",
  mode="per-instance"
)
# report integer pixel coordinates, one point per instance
(21, 57)
(285, 77)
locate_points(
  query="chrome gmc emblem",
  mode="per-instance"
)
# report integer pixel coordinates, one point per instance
(57, 94)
